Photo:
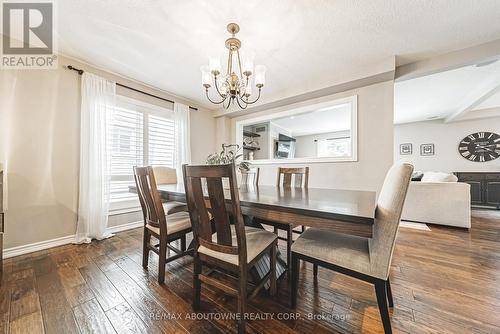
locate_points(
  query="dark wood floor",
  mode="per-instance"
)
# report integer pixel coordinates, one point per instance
(444, 281)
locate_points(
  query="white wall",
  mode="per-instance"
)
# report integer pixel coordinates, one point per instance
(445, 137)
(39, 148)
(375, 143)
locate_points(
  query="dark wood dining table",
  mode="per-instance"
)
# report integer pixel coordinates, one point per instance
(344, 211)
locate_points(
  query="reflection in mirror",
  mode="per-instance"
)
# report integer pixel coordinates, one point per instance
(323, 132)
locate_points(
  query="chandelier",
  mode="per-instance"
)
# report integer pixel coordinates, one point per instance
(236, 84)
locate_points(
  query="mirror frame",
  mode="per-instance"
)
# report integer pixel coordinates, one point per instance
(299, 109)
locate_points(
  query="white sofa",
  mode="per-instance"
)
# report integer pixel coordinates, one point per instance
(443, 203)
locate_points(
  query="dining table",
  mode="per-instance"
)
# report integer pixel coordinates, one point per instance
(341, 210)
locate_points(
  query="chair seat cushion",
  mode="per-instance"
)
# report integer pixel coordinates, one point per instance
(176, 222)
(346, 251)
(173, 206)
(257, 241)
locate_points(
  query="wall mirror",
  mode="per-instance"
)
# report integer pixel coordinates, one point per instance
(320, 132)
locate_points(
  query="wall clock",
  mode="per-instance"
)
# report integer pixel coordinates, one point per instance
(480, 146)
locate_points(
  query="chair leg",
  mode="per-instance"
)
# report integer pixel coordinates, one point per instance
(196, 282)
(289, 241)
(162, 261)
(275, 230)
(183, 243)
(381, 292)
(272, 262)
(303, 228)
(294, 280)
(145, 248)
(242, 300)
(389, 294)
(315, 271)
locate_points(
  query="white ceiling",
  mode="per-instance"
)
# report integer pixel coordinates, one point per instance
(316, 122)
(306, 45)
(440, 95)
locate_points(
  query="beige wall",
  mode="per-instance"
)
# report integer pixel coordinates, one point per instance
(445, 137)
(375, 143)
(39, 148)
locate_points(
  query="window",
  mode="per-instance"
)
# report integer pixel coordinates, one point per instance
(141, 134)
(334, 147)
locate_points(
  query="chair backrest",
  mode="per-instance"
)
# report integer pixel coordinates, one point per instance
(165, 175)
(250, 177)
(152, 208)
(301, 176)
(221, 207)
(387, 215)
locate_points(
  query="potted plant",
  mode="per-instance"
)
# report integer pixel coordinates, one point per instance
(230, 154)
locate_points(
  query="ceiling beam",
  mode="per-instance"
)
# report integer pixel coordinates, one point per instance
(491, 89)
(482, 113)
(449, 61)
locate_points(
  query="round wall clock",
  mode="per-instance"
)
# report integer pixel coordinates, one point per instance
(480, 146)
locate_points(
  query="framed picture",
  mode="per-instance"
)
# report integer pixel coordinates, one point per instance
(427, 149)
(405, 149)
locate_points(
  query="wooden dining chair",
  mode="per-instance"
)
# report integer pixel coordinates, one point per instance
(299, 178)
(250, 177)
(167, 175)
(233, 248)
(368, 259)
(165, 228)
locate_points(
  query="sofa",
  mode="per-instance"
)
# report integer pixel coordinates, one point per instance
(438, 199)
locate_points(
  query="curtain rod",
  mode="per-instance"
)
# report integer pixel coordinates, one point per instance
(80, 72)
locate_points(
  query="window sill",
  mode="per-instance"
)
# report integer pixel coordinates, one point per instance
(124, 206)
(116, 212)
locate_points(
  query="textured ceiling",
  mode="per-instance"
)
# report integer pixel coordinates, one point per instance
(306, 45)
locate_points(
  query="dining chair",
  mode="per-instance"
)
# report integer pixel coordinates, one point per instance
(250, 176)
(300, 177)
(368, 259)
(165, 228)
(167, 175)
(234, 248)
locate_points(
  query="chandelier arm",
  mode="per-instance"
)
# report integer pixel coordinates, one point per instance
(217, 87)
(252, 102)
(239, 104)
(228, 103)
(214, 102)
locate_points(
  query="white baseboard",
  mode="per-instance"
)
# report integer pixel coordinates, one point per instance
(46, 244)
(37, 246)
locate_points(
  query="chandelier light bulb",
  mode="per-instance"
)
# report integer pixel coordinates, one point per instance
(247, 67)
(214, 65)
(206, 79)
(260, 76)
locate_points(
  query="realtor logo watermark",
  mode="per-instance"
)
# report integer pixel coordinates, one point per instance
(28, 35)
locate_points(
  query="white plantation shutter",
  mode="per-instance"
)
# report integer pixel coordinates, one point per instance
(127, 151)
(143, 135)
(161, 141)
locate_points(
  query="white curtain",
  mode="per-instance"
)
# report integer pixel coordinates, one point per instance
(98, 103)
(183, 149)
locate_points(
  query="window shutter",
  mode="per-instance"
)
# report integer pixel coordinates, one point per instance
(161, 141)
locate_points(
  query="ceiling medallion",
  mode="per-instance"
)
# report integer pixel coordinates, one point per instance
(236, 84)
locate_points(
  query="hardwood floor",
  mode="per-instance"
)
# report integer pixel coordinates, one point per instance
(443, 281)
